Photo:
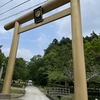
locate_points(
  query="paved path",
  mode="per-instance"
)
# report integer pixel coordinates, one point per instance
(33, 93)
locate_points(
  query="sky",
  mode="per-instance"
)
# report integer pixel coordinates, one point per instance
(35, 41)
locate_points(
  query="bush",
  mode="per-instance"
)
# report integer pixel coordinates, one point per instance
(55, 85)
(93, 93)
(1, 86)
(93, 85)
(18, 84)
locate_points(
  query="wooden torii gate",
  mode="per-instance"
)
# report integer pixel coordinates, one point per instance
(80, 85)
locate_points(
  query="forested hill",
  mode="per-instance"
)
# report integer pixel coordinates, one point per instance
(56, 65)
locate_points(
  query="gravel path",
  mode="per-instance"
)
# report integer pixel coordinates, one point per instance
(33, 93)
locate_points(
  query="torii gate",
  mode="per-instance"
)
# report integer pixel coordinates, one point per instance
(80, 85)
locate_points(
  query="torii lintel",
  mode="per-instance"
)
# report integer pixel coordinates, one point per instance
(50, 5)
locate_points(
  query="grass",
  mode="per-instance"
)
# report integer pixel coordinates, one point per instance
(17, 92)
(16, 89)
(64, 98)
(67, 99)
(41, 89)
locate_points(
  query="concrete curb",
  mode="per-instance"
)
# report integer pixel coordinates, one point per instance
(5, 96)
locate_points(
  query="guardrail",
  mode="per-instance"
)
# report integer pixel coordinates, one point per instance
(57, 90)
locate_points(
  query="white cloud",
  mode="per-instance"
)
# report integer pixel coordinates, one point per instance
(64, 27)
(90, 16)
(2, 30)
(90, 19)
(24, 53)
(42, 40)
(64, 24)
(6, 51)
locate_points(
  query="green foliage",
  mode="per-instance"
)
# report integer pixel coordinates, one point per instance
(17, 91)
(2, 57)
(56, 65)
(57, 61)
(92, 56)
(35, 73)
(55, 75)
(2, 61)
(94, 93)
(18, 83)
(20, 71)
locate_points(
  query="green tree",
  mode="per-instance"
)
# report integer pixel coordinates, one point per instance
(20, 69)
(2, 57)
(57, 61)
(56, 66)
(2, 61)
(35, 73)
(92, 56)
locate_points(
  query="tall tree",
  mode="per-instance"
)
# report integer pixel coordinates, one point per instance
(35, 73)
(2, 57)
(92, 56)
(58, 61)
(2, 62)
(20, 70)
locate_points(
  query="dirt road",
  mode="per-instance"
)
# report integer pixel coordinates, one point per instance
(33, 93)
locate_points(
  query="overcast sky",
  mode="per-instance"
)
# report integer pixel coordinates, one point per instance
(34, 42)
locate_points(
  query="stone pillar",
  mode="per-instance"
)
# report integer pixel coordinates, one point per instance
(11, 61)
(1, 71)
(80, 85)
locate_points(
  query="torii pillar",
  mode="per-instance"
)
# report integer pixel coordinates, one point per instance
(80, 84)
